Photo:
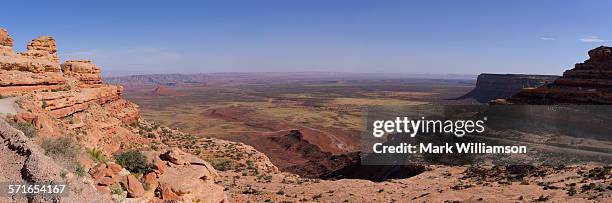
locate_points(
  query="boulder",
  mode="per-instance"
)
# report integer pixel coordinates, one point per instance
(134, 187)
(175, 156)
(98, 171)
(153, 159)
(114, 168)
(106, 181)
(193, 183)
(168, 195)
(151, 180)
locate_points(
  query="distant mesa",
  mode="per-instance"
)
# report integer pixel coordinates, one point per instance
(587, 83)
(496, 86)
(163, 91)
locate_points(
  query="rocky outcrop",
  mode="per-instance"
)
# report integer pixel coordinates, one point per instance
(84, 70)
(186, 177)
(37, 69)
(6, 42)
(44, 48)
(62, 104)
(498, 86)
(15, 82)
(76, 103)
(587, 83)
(36, 167)
(123, 110)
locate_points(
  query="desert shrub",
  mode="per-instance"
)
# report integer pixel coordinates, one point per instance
(134, 161)
(62, 148)
(116, 189)
(151, 135)
(572, 191)
(63, 174)
(79, 169)
(220, 164)
(28, 129)
(542, 198)
(251, 191)
(96, 155)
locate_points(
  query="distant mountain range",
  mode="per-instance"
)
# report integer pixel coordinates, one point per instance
(230, 78)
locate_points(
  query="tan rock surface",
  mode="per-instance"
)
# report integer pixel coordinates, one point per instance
(43, 47)
(133, 186)
(6, 42)
(5, 38)
(84, 70)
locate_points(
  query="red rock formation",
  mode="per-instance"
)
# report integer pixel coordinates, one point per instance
(41, 55)
(65, 103)
(124, 110)
(84, 70)
(35, 70)
(587, 83)
(43, 47)
(78, 104)
(6, 42)
(497, 86)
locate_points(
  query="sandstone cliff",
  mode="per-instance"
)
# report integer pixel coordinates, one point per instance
(81, 124)
(587, 83)
(497, 86)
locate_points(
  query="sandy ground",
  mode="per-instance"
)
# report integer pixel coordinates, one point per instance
(8, 106)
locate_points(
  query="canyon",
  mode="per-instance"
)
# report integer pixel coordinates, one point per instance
(236, 137)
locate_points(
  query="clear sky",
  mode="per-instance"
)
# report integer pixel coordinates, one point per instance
(428, 36)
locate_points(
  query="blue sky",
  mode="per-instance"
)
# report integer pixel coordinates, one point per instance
(439, 37)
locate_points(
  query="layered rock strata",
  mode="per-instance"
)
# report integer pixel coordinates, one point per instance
(37, 69)
(74, 104)
(59, 91)
(498, 86)
(84, 70)
(589, 82)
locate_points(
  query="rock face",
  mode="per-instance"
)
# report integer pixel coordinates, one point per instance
(6, 42)
(35, 70)
(62, 104)
(59, 92)
(84, 70)
(587, 83)
(73, 102)
(497, 86)
(43, 47)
